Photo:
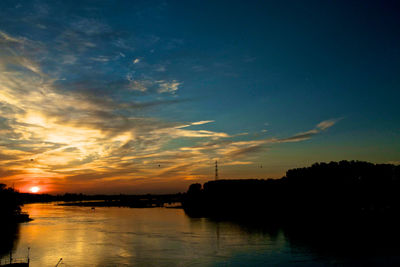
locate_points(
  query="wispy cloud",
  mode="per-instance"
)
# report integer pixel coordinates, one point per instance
(322, 126)
(168, 87)
(55, 129)
(61, 119)
(231, 151)
(193, 123)
(201, 122)
(4, 37)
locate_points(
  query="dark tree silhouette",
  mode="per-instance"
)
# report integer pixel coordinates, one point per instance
(10, 206)
(10, 216)
(335, 191)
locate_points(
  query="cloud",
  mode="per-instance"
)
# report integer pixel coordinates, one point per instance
(322, 126)
(178, 132)
(326, 124)
(54, 128)
(229, 150)
(79, 127)
(238, 163)
(149, 85)
(240, 149)
(201, 122)
(65, 119)
(168, 87)
(100, 59)
(193, 123)
(237, 152)
(5, 38)
(136, 61)
(141, 86)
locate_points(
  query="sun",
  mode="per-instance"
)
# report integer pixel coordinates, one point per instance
(34, 189)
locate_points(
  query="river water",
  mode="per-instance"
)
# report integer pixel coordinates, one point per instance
(113, 236)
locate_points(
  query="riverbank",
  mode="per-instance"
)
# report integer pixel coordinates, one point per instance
(93, 204)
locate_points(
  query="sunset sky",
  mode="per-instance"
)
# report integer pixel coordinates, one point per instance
(144, 96)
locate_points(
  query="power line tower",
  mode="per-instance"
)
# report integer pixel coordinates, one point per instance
(216, 170)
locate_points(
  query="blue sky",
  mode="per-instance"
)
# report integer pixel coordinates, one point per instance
(95, 95)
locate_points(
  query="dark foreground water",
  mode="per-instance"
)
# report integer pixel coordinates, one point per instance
(167, 237)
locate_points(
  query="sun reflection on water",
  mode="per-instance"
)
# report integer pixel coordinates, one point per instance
(123, 236)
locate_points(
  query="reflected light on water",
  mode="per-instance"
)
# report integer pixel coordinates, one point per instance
(123, 236)
(111, 236)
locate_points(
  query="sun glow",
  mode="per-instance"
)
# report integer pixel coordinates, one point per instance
(34, 189)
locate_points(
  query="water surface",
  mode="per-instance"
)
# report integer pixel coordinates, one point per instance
(112, 236)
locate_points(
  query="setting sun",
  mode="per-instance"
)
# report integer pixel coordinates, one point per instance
(34, 189)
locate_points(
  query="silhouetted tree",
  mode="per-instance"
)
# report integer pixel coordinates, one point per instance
(9, 204)
(337, 191)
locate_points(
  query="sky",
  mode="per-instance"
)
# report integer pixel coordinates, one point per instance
(144, 96)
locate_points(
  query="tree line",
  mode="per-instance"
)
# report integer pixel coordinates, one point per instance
(335, 191)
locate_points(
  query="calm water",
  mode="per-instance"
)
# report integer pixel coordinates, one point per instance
(167, 237)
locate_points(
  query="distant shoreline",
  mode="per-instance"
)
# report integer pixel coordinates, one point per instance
(116, 203)
(321, 194)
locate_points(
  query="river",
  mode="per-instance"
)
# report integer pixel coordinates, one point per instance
(111, 236)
